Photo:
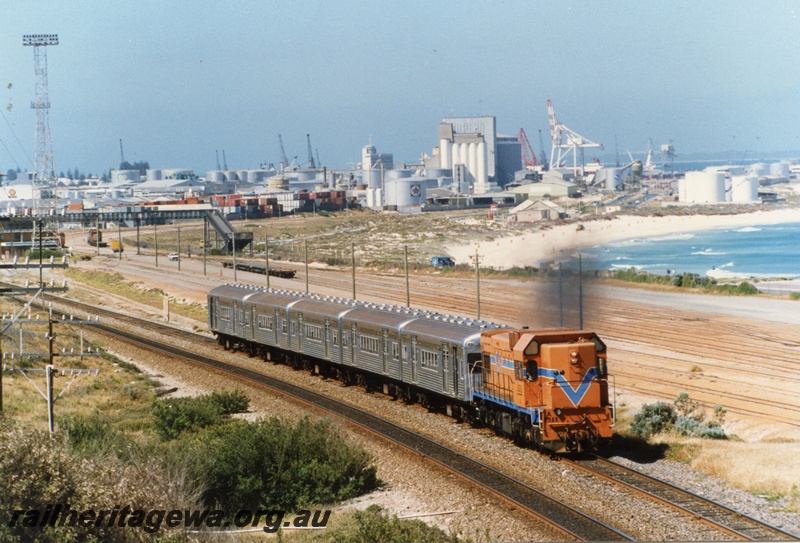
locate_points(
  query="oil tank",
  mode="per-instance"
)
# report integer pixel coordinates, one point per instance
(779, 169)
(212, 176)
(278, 183)
(758, 169)
(154, 175)
(636, 168)
(405, 192)
(243, 175)
(702, 188)
(397, 174)
(744, 189)
(121, 176)
(231, 176)
(306, 175)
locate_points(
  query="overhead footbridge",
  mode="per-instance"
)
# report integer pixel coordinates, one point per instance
(138, 216)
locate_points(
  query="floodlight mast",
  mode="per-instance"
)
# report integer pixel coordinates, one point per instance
(44, 176)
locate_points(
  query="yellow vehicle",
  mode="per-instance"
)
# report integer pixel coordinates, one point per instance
(116, 246)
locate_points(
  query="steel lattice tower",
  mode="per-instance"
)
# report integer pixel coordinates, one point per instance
(44, 175)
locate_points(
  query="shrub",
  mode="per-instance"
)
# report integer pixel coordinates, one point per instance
(373, 524)
(684, 417)
(794, 295)
(230, 402)
(174, 416)
(273, 463)
(652, 419)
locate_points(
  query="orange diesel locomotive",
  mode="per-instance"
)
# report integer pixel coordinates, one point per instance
(547, 387)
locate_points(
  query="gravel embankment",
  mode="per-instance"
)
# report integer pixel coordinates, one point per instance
(414, 487)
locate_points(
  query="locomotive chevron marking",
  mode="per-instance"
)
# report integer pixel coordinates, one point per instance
(575, 395)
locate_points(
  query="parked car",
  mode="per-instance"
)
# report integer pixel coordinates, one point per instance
(174, 256)
(442, 262)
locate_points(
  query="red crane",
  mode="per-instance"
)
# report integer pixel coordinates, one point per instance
(528, 156)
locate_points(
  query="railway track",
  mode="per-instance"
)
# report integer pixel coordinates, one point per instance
(570, 522)
(717, 516)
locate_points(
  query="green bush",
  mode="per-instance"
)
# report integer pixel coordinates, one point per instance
(373, 524)
(174, 416)
(684, 417)
(273, 463)
(230, 402)
(652, 419)
(794, 295)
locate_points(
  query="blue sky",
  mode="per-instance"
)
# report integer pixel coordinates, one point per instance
(179, 80)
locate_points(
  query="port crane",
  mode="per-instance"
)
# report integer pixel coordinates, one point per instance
(528, 157)
(566, 141)
(310, 154)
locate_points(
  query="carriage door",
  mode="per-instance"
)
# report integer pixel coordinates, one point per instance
(456, 369)
(445, 368)
(326, 333)
(212, 315)
(301, 333)
(413, 359)
(385, 350)
(235, 319)
(276, 327)
(353, 345)
(253, 323)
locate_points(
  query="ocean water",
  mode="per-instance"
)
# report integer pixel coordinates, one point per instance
(763, 252)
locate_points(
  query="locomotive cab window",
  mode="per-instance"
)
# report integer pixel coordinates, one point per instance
(225, 313)
(531, 370)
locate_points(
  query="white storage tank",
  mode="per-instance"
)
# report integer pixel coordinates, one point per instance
(396, 174)
(758, 169)
(744, 189)
(121, 176)
(405, 192)
(154, 175)
(212, 176)
(779, 169)
(707, 187)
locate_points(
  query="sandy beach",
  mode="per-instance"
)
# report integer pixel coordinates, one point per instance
(561, 241)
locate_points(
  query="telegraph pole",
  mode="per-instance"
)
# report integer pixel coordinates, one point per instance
(478, 281)
(266, 257)
(353, 256)
(305, 259)
(408, 292)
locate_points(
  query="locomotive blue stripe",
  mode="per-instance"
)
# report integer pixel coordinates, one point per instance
(575, 395)
(534, 413)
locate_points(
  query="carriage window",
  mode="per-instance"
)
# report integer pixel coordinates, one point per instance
(335, 337)
(314, 332)
(283, 326)
(395, 350)
(225, 313)
(369, 344)
(265, 322)
(429, 359)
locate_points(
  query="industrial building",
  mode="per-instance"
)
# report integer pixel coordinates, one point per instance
(474, 154)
